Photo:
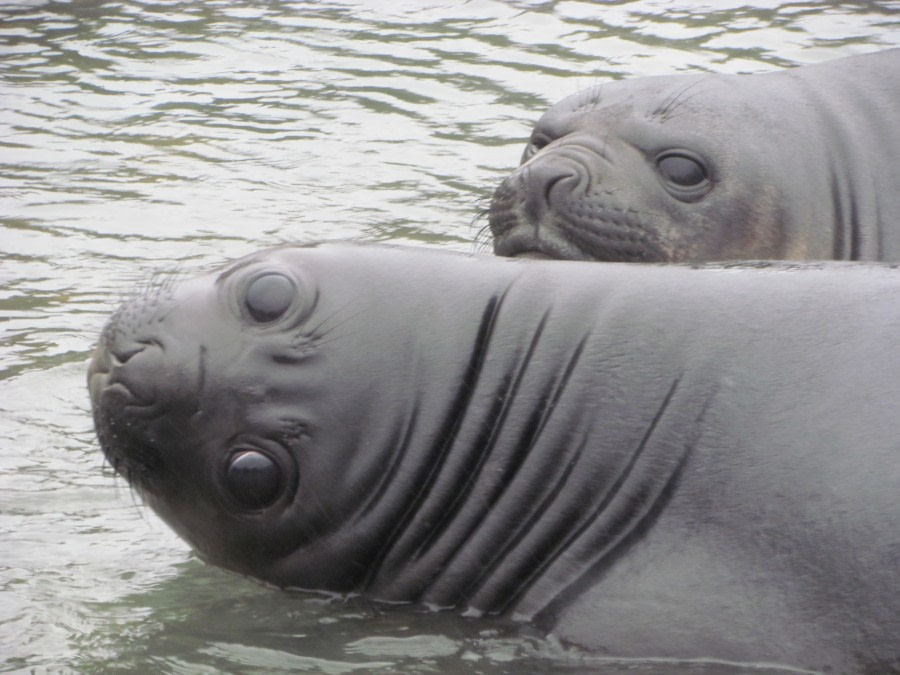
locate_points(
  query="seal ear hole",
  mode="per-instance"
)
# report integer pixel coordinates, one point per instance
(268, 297)
(253, 479)
(681, 170)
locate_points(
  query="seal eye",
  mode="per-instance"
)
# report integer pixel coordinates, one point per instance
(253, 479)
(268, 297)
(682, 171)
(539, 141)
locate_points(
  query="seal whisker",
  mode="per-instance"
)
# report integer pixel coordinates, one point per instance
(625, 238)
(310, 338)
(675, 100)
(673, 113)
(317, 342)
(483, 237)
(317, 329)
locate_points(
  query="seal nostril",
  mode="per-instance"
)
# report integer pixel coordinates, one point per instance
(541, 184)
(124, 355)
(551, 184)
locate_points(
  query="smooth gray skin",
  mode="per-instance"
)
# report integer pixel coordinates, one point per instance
(650, 461)
(800, 164)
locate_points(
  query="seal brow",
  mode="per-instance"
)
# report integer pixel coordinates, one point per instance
(432, 466)
(313, 335)
(675, 100)
(236, 267)
(619, 527)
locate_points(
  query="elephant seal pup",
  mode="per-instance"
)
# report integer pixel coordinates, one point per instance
(651, 461)
(794, 164)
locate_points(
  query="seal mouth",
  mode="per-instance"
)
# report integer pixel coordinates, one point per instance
(587, 243)
(122, 413)
(586, 226)
(524, 242)
(533, 255)
(106, 382)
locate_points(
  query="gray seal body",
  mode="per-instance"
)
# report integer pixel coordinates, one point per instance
(648, 461)
(793, 164)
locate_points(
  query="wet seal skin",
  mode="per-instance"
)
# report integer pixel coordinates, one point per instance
(794, 164)
(648, 461)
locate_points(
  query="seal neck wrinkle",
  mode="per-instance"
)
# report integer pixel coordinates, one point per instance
(521, 492)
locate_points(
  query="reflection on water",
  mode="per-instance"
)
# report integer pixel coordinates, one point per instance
(135, 135)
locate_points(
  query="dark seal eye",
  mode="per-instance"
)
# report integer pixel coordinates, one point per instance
(253, 479)
(539, 141)
(268, 297)
(682, 171)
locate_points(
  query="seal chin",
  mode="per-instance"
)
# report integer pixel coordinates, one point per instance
(525, 242)
(534, 255)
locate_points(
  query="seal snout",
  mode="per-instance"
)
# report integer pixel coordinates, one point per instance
(124, 354)
(128, 379)
(524, 208)
(128, 369)
(554, 205)
(545, 185)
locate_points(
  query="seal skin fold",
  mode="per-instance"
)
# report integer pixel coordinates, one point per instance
(649, 461)
(794, 164)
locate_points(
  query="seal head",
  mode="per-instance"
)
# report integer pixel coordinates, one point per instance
(282, 416)
(794, 164)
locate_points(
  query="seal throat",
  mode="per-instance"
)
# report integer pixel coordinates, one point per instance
(582, 521)
(625, 513)
(515, 494)
(552, 513)
(398, 543)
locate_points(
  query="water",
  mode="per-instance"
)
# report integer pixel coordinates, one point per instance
(139, 134)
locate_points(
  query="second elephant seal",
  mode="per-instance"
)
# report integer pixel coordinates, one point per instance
(793, 164)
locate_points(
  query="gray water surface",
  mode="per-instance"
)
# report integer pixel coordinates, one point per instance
(136, 135)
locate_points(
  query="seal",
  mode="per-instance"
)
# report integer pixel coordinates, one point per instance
(793, 164)
(646, 460)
